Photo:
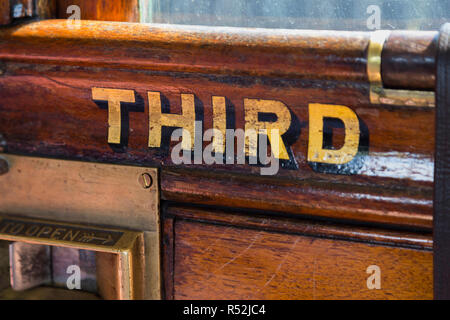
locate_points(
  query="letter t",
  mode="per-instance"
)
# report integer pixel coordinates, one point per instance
(114, 98)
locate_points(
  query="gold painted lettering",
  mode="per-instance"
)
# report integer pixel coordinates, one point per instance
(219, 123)
(5, 227)
(157, 120)
(253, 108)
(31, 231)
(316, 153)
(44, 231)
(70, 235)
(17, 228)
(57, 233)
(114, 98)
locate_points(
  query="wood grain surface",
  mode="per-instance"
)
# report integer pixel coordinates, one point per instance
(46, 108)
(400, 50)
(226, 260)
(106, 10)
(5, 12)
(46, 9)
(275, 250)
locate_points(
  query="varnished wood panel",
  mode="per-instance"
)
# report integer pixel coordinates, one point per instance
(46, 9)
(108, 281)
(107, 10)
(49, 70)
(5, 12)
(409, 207)
(222, 261)
(294, 225)
(397, 73)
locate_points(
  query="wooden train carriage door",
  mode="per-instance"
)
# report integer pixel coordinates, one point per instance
(295, 141)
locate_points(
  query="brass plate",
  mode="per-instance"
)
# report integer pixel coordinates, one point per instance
(88, 194)
(127, 245)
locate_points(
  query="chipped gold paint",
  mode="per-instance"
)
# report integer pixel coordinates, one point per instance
(253, 107)
(157, 120)
(316, 153)
(114, 98)
(219, 123)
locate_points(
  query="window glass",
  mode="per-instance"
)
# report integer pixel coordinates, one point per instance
(360, 15)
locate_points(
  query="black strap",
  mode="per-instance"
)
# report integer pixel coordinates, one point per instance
(441, 236)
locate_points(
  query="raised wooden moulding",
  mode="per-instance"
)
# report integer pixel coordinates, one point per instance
(5, 12)
(112, 92)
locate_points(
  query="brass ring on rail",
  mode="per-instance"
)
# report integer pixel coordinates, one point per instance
(381, 95)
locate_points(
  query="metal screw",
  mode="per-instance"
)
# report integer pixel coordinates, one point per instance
(145, 180)
(4, 166)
